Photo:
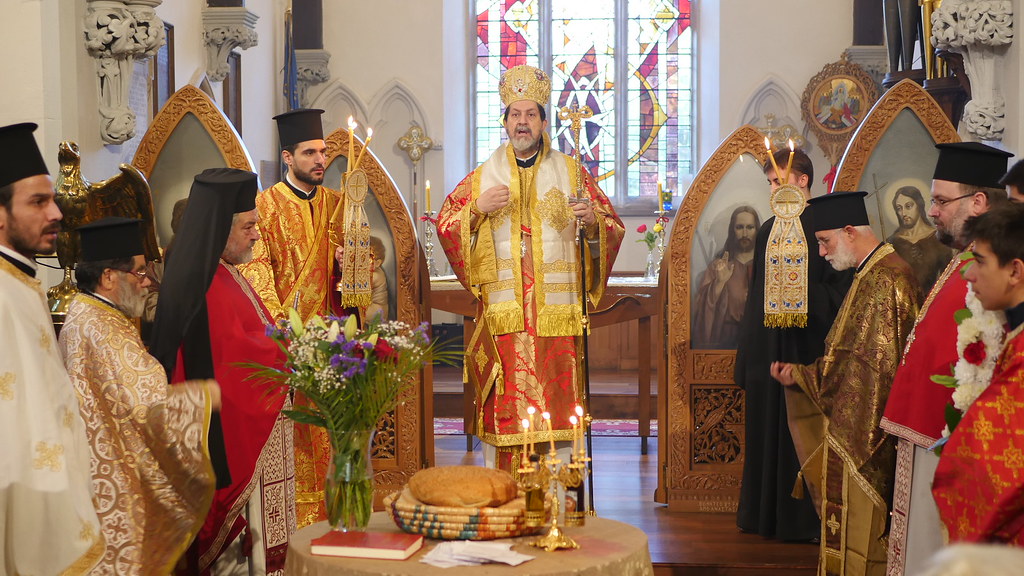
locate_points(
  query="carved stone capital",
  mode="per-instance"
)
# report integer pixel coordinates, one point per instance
(311, 69)
(118, 32)
(312, 65)
(224, 29)
(980, 31)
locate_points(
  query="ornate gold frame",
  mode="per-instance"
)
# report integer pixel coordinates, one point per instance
(698, 388)
(190, 99)
(834, 140)
(906, 94)
(399, 456)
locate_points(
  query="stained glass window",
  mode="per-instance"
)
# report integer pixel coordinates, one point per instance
(629, 62)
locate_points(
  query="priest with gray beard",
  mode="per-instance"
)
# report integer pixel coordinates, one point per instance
(151, 474)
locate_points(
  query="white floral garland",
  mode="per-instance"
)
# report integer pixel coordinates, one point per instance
(985, 326)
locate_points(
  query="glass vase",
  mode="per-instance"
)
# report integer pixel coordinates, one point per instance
(651, 271)
(348, 489)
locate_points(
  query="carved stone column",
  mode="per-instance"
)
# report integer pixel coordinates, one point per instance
(117, 33)
(981, 32)
(224, 29)
(312, 69)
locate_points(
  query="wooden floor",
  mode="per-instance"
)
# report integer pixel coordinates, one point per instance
(689, 544)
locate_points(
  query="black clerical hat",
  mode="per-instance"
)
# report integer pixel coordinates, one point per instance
(838, 209)
(21, 157)
(110, 238)
(240, 186)
(299, 126)
(971, 163)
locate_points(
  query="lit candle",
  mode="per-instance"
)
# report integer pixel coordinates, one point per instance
(533, 424)
(551, 431)
(351, 145)
(574, 421)
(789, 164)
(579, 415)
(369, 136)
(427, 194)
(768, 145)
(526, 443)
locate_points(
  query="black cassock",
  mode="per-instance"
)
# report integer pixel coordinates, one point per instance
(770, 463)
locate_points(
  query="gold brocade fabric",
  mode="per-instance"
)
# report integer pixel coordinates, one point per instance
(785, 262)
(357, 263)
(522, 262)
(850, 385)
(151, 472)
(294, 255)
(293, 263)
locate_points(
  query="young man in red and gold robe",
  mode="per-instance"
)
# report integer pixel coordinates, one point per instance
(293, 265)
(979, 481)
(509, 231)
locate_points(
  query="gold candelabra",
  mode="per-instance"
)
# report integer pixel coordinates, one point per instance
(540, 476)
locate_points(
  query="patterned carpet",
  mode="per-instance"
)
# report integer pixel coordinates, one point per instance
(451, 426)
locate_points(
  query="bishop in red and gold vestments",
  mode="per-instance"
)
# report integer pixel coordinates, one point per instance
(850, 385)
(210, 322)
(965, 184)
(293, 266)
(979, 481)
(509, 232)
(152, 478)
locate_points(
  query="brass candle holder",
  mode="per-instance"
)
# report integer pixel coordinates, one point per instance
(539, 479)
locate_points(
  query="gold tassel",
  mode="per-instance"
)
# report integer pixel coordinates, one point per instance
(798, 486)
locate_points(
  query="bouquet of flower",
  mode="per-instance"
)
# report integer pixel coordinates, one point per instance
(979, 338)
(651, 237)
(352, 377)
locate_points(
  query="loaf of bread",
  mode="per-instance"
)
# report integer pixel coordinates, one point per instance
(466, 486)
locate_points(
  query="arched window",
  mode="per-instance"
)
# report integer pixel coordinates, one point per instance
(630, 61)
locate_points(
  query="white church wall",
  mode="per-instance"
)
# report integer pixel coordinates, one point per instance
(374, 47)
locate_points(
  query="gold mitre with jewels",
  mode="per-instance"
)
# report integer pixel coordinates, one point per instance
(525, 83)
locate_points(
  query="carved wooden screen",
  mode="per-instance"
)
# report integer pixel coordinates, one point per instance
(892, 157)
(189, 135)
(700, 434)
(405, 440)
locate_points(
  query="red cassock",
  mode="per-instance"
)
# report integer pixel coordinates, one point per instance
(979, 482)
(238, 322)
(916, 407)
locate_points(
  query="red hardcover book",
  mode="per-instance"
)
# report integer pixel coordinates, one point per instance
(383, 545)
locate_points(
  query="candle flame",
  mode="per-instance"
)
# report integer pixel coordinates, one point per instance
(352, 123)
(579, 411)
(531, 410)
(573, 420)
(526, 424)
(767, 143)
(792, 147)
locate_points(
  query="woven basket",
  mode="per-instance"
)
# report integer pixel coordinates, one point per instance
(457, 523)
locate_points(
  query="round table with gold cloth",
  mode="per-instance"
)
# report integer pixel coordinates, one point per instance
(607, 548)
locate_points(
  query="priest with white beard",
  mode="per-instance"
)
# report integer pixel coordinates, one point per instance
(151, 473)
